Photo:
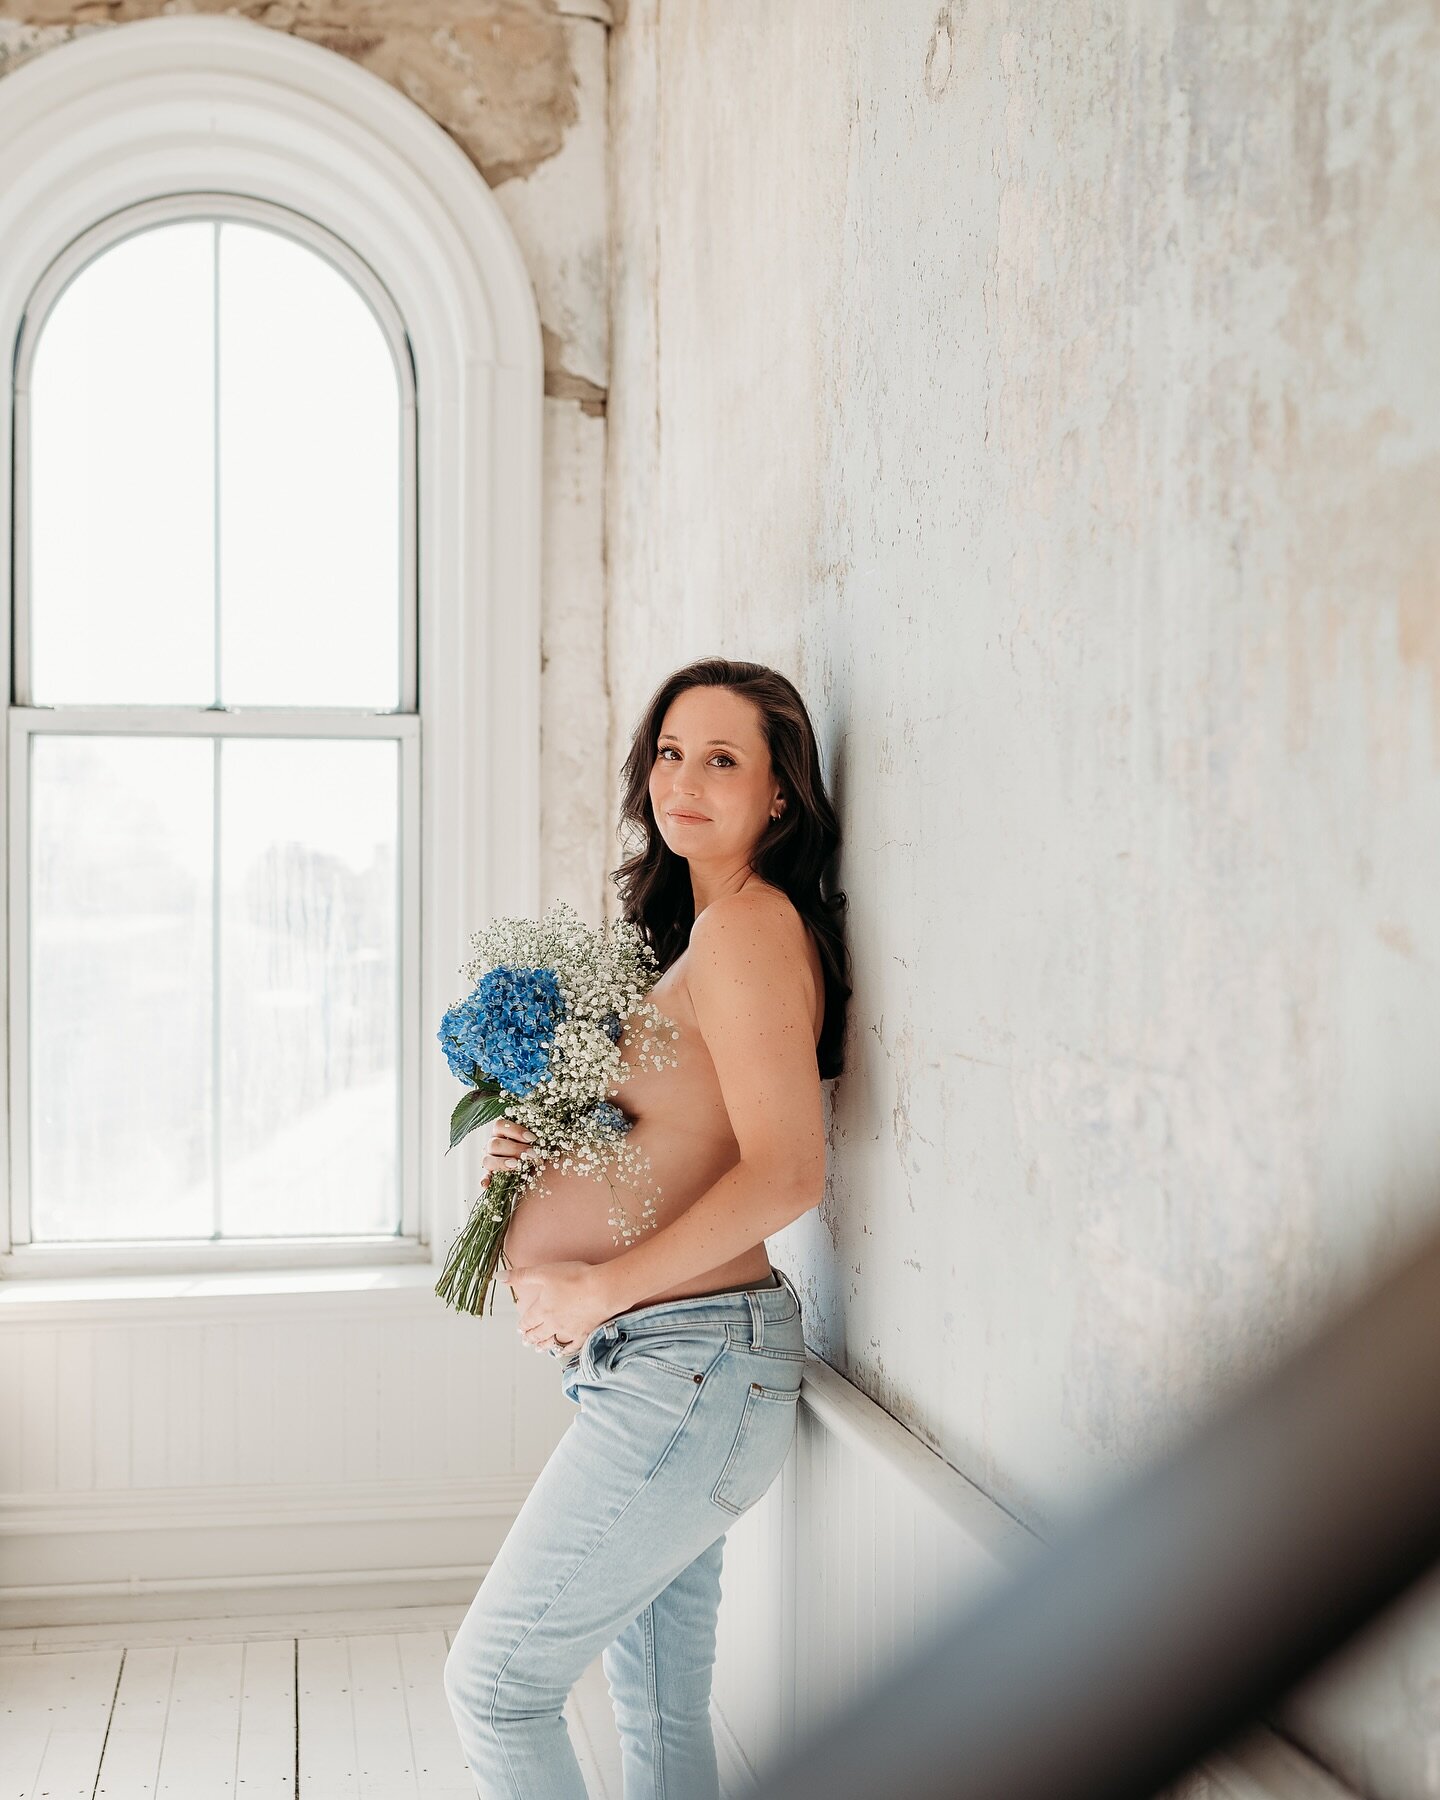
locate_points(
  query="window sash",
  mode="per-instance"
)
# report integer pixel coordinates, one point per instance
(211, 723)
(248, 209)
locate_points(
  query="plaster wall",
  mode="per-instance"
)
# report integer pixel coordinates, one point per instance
(1054, 394)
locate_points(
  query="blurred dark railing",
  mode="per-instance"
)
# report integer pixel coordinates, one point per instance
(1185, 1604)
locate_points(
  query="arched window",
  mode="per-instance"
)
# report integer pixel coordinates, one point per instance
(250, 820)
(215, 733)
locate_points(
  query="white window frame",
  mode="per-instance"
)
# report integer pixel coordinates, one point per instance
(186, 116)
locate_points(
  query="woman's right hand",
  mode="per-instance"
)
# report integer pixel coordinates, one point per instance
(506, 1143)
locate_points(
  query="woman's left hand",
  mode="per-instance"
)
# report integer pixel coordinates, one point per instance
(561, 1302)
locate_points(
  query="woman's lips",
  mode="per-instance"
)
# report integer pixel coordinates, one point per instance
(697, 817)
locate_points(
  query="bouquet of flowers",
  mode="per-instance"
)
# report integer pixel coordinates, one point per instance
(538, 1040)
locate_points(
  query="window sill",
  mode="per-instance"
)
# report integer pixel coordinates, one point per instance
(222, 1293)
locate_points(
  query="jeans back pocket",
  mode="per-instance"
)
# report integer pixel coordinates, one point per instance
(762, 1443)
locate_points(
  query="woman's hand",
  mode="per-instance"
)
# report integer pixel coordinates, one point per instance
(507, 1144)
(560, 1303)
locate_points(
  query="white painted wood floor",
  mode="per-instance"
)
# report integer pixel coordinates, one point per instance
(206, 1709)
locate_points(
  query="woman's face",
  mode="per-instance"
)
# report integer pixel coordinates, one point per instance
(711, 761)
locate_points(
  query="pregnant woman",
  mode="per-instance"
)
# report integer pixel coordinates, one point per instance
(682, 1351)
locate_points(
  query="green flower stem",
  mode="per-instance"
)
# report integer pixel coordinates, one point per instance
(469, 1272)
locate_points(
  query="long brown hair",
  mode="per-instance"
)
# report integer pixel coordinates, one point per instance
(793, 854)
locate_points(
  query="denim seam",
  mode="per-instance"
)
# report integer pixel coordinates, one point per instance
(540, 1616)
(685, 1325)
(737, 1342)
(674, 1368)
(653, 1689)
(739, 1438)
(730, 1303)
(670, 1368)
(676, 1328)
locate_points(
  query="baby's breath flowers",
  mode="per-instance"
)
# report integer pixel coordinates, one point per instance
(538, 1039)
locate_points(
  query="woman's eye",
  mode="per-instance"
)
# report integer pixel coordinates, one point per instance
(730, 760)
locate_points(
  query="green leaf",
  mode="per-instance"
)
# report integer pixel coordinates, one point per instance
(473, 1109)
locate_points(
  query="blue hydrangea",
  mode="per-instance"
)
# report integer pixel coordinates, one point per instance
(610, 1025)
(605, 1112)
(505, 1028)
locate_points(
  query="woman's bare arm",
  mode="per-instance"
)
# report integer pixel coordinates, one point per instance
(746, 976)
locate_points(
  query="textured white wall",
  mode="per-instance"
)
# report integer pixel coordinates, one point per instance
(1054, 394)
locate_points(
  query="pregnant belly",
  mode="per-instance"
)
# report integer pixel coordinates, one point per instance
(568, 1215)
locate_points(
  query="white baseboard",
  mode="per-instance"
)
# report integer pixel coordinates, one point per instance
(154, 1553)
(226, 1622)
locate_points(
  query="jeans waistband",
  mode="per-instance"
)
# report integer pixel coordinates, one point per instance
(756, 1305)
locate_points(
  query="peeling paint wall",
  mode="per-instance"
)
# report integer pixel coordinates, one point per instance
(521, 85)
(1054, 394)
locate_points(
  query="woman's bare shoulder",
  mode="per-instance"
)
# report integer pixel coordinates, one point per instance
(789, 944)
(774, 915)
(757, 899)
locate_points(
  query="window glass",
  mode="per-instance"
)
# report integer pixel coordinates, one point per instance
(196, 358)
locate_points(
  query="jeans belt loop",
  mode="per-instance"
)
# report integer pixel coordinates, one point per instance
(757, 1317)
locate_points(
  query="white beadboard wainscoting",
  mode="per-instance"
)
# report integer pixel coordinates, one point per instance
(232, 1443)
(857, 1555)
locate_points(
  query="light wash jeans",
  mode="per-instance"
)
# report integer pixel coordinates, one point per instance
(687, 1413)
